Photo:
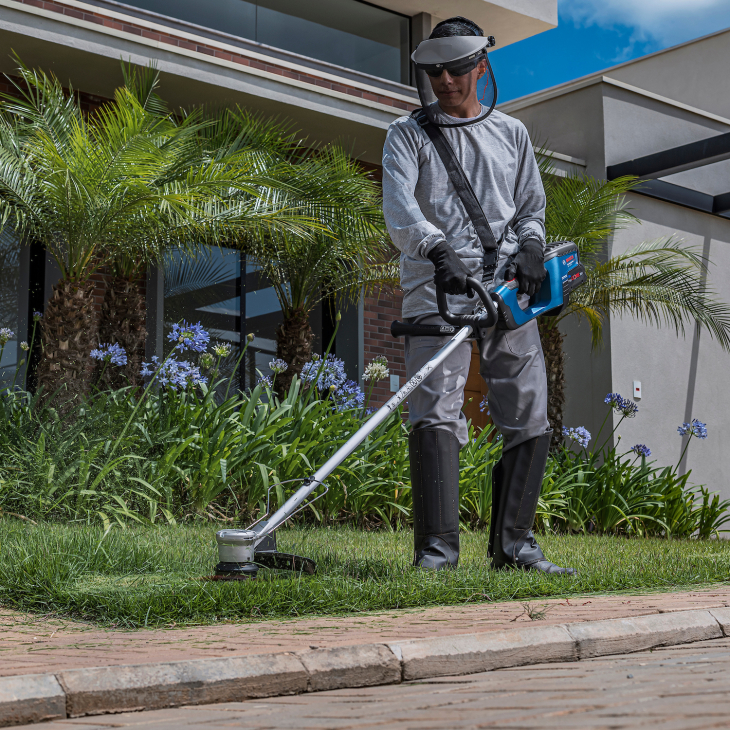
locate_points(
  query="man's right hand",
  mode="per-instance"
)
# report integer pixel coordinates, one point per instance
(451, 273)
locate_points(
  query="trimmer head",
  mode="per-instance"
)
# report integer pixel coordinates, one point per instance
(236, 554)
(242, 552)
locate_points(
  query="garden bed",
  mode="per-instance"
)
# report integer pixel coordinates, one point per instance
(152, 576)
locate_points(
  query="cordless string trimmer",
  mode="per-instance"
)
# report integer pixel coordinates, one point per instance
(242, 552)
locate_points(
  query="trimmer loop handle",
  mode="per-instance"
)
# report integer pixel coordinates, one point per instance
(482, 320)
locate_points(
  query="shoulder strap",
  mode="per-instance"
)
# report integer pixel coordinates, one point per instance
(464, 190)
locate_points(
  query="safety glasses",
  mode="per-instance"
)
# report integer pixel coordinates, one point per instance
(454, 69)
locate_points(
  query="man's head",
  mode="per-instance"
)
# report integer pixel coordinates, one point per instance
(455, 86)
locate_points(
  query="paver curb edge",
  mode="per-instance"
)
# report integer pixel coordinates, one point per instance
(26, 699)
(31, 698)
(627, 635)
(361, 665)
(471, 653)
(722, 616)
(99, 690)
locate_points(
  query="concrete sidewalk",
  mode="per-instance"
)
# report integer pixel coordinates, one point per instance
(31, 644)
(55, 669)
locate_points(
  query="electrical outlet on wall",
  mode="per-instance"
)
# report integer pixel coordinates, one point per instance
(637, 390)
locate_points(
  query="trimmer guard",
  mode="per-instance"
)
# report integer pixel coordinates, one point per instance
(242, 556)
(564, 273)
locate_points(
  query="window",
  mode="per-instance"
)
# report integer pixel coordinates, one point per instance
(207, 289)
(9, 293)
(263, 317)
(347, 33)
(204, 289)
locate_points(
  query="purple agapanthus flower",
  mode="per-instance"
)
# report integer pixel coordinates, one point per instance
(625, 406)
(110, 353)
(278, 366)
(484, 405)
(349, 395)
(695, 428)
(266, 381)
(6, 335)
(333, 383)
(189, 337)
(641, 450)
(176, 374)
(579, 434)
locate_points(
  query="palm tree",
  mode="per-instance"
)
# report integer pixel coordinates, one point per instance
(660, 282)
(121, 185)
(335, 265)
(122, 318)
(345, 250)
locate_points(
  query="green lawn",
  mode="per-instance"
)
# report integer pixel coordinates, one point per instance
(151, 576)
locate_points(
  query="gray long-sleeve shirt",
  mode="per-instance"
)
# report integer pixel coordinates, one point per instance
(422, 207)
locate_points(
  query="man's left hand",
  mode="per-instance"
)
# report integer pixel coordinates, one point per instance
(528, 267)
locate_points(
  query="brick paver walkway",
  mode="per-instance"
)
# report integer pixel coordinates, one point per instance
(33, 644)
(679, 688)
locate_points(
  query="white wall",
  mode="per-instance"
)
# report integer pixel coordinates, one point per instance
(694, 73)
(682, 377)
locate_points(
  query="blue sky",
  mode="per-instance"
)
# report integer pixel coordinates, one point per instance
(596, 34)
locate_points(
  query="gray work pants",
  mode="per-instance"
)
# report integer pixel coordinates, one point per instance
(512, 364)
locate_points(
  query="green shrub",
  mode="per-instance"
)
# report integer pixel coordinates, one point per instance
(178, 453)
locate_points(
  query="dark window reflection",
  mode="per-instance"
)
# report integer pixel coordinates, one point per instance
(263, 317)
(236, 17)
(204, 289)
(9, 293)
(347, 33)
(207, 289)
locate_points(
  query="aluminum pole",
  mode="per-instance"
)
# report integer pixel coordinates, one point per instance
(289, 507)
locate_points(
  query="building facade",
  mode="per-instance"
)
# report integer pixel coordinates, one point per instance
(339, 70)
(665, 118)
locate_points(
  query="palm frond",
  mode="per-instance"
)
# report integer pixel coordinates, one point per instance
(131, 180)
(662, 283)
(586, 210)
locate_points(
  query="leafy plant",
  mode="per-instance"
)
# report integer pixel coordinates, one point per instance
(187, 448)
(117, 187)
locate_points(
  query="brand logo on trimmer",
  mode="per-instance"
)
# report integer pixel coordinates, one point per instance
(411, 385)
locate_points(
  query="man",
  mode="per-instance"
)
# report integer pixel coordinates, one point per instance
(440, 245)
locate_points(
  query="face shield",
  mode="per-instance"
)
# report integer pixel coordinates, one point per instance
(458, 55)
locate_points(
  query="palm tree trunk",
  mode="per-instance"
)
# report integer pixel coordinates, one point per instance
(68, 334)
(123, 322)
(552, 347)
(294, 338)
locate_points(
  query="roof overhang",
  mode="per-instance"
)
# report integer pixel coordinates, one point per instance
(650, 168)
(508, 21)
(323, 106)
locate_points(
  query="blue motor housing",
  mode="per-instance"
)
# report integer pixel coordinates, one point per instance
(564, 273)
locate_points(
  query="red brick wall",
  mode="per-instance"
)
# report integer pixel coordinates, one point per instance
(379, 313)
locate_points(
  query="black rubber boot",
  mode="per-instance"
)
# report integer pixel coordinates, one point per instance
(434, 455)
(517, 480)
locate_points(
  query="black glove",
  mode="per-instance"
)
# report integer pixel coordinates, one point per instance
(528, 267)
(451, 273)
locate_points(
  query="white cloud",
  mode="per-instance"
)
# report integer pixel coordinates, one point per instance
(666, 21)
